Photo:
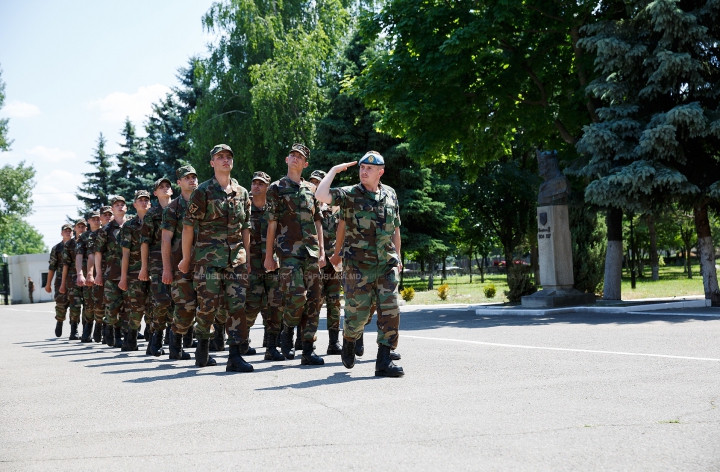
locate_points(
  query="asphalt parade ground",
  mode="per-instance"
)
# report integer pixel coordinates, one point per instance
(565, 392)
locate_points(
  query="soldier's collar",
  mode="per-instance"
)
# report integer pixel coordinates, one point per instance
(295, 184)
(377, 196)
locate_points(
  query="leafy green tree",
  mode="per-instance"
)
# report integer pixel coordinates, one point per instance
(131, 173)
(4, 142)
(18, 237)
(587, 233)
(95, 190)
(16, 186)
(659, 133)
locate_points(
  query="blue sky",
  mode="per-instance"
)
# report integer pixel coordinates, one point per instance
(73, 69)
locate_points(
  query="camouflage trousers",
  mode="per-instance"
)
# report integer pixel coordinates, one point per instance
(113, 300)
(61, 302)
(88, 313)
(161, 301)
(183, 295)
(75, 301)
(301, 288)
(98, 305)
(263, 296)
(135, 301)
(331, 283)
(364, 286)
(212, 285)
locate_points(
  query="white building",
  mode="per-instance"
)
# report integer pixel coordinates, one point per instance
(34, 266)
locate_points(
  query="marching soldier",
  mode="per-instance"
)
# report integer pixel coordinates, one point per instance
(151, 255)
(108, 258)
(371, 257)
(55, 268)
(96, 291)
(295, 234)
(71, 266)
(182, 289)
(219, 209)
(263, 291)
(85, 253)
(331, 280)
(135, 291)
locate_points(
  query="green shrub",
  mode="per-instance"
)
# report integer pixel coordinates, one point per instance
(407, 294)
(519, 285)
(490, 291)
(443, 291)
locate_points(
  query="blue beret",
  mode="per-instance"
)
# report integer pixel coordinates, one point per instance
(373, 158)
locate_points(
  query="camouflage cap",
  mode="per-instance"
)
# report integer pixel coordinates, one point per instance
(93, 214)
(161, 180)
(261, 176)
(318, 174)
(302, 149)
(66, 226)
(117, 198)
(81, 221)
(373, 158)
(141, 193)
(184, 171)
(105, 209)
(220, 147)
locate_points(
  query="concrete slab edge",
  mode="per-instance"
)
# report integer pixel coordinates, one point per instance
(608, 310)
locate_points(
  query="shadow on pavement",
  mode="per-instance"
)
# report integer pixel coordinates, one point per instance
(336, 378)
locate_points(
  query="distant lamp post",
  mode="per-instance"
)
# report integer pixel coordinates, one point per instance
(5, 279)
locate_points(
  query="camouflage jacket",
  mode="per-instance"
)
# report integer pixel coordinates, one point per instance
(296, 210)
(172, 219)
(258, 239)
(86, 246)
(56, 263)
(219, 218)
(107, 243)
(370, 222)
(151, 233)
(130, 239)
(329, 225)
(68, 257)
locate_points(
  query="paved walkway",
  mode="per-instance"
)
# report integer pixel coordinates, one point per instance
(563, 392)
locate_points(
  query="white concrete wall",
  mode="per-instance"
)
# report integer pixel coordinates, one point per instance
(22, 267)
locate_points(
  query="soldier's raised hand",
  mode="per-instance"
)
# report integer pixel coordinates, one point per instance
(343, 167)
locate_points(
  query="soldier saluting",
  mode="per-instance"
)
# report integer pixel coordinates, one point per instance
(371, 256)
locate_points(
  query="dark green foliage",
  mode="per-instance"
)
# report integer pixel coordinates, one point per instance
(16, 186)
(587, 232)
(95, 190)
(519, 285)
(18, 237)
(4, 142)
(132, 172)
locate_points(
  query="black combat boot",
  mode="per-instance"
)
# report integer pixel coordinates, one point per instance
(97, 331)
(189, 338)
(109, 335)
(250, 351)
(334, 347)
(87, 330)
(118, 336)
(166, 342)
(384, 366)
(73, 331)
(348, 353)
(156, 344)
(202, 354)
(148, 345)
(271, 352)
(265, 337)
(235, 361)
(131, 339)
(308, 355)
(218, 342)
(58, 329)
(176, 348)
(360, 346)
(298, 340)
(286, 344)
(395, 356)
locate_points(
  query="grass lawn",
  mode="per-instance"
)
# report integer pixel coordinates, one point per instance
(672, 283)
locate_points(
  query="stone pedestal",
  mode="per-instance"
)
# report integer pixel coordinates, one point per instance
(555, 261)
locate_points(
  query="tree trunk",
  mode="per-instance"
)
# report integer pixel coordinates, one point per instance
(470, 258)
(534, 261)
(508, 263)
(444, 269)
(654, 259)
(613, 256)
(432, 274)
(402, 273)
(706, 252)
(481, 267)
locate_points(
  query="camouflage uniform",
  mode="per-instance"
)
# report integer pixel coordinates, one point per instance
(107, 243)
(74, 292)
(263, 291)
(370, 259)
(220, 260)
(85, 247)
(182, 289)
(135, 297)
(295, 209)
(56, 265)
(151, 233)
(331, 280)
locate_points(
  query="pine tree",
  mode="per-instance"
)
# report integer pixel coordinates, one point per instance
(659, 133)
(165, 139)
(132, 173)
(94, 192)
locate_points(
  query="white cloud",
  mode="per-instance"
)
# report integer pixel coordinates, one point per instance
(119, 105)
(51, 154)
(16, 109)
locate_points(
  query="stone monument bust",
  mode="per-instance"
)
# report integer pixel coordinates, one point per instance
(556, 187)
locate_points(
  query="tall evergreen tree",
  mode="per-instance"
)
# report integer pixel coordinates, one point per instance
(132, 173)
(94, 192)
(165, 139)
